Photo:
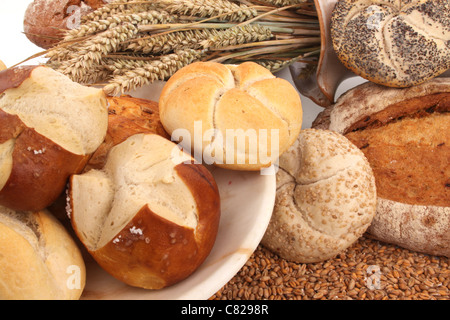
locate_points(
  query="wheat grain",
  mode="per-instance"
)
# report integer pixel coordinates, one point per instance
(154, 70)
(205, 8)
(166, 43)
(237, 35)
(128, 43)
(345, 277)
(283, 3)
(91, 52)
(95, 26)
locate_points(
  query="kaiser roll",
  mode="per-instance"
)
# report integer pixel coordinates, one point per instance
(49, 127)
(393, 43)
(150, 216)
(325, 198)
(405, 135)
(39, 260)
(236, 117)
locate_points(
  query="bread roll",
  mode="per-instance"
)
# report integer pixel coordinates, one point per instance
(393, 43)
(49, 128)
(325, 199)
(127, 116)
(405, 134)
(45, 21)
(150, 216)
(38, 258)
(2, 65)
(237, 117)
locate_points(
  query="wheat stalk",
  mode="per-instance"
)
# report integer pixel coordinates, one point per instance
(165, 43)
(160, 69)
(92, 27)
(129, 43)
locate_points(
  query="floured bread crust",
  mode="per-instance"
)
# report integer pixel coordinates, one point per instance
(325, 199)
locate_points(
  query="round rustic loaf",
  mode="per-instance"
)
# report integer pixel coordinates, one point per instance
(39, 260)
(50, 126)
(236, 117)
(150, 216)
(46, 20)
(405, 135)
(393, 43)
(325, 198)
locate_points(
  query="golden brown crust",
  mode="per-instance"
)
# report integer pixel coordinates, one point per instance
(40, 260)
(13, 77)
(35, 168)
(405, 135)
(127, 116)
(230, 99)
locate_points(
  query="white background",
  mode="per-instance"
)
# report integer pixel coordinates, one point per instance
(15, 47)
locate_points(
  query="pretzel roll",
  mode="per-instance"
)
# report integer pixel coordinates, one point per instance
(50, 126)
(150, 216)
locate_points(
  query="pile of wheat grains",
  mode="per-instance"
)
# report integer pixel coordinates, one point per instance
(369, 270)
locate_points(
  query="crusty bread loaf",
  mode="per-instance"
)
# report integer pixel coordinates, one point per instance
(325, 200)
(393, 43)
(229, 104)
(127, 116)
(45, 21)
(39, 260)
(49, 128)
(150, 216)
(405, 134)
